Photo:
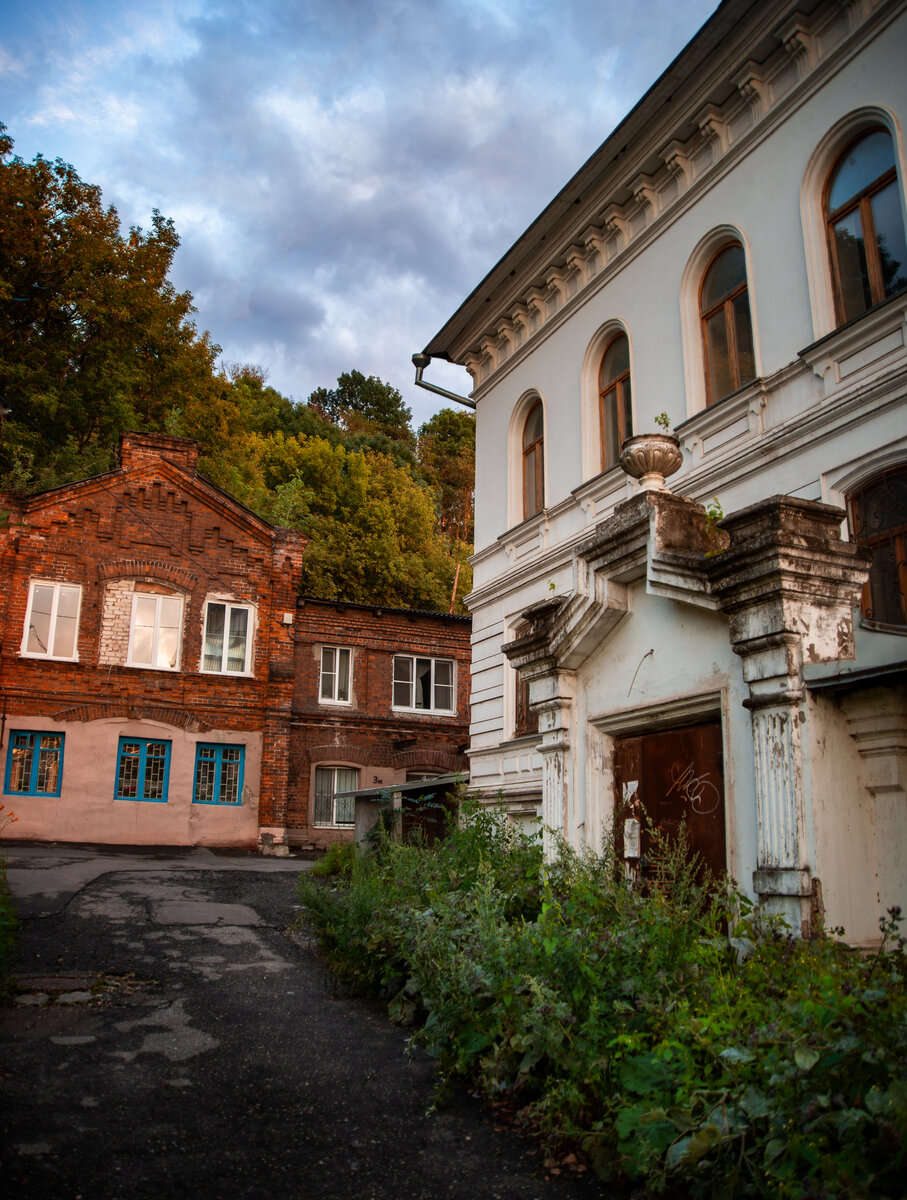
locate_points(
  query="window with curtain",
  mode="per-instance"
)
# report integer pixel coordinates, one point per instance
(615, 410)
(727, 329)
(534, 461)
(865, 226)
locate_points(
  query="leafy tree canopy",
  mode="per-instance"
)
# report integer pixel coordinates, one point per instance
(95, 340)
(365, 405)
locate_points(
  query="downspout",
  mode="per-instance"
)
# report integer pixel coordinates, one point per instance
(420, 362)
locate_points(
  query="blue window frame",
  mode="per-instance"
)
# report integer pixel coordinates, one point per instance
(34, 764)
(143, 769)
(218, 774)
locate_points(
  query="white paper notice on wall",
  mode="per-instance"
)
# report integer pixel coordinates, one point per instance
(631, 787)
(631, 838)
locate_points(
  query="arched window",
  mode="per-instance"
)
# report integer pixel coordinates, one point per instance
(865, 226)
(534, 461)
(878, 518)
(615, 409)
(727, 330)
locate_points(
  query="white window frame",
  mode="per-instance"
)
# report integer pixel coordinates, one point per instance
(158, 597)
(413, 659)
(333, 823)
(55, 606)
(230, 606)
(333, 674)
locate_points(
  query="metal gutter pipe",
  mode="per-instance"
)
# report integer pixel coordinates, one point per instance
(420, 362)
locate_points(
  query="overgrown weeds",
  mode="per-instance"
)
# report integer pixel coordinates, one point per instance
(670, 1032)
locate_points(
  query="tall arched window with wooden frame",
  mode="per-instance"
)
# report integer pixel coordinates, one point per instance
(727, 328)
(878, 521)
(615, 405)
(534, 461)
(865, 225)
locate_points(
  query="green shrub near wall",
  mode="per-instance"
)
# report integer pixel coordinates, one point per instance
(677, 1038)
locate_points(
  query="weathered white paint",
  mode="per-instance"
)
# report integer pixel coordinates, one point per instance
(815, 785)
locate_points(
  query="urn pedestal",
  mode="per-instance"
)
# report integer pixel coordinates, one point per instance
(651, 458)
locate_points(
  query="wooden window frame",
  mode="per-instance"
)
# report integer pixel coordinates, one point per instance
(862, 203)
(619, 386)
(891, 536)
(725, 305)
(534, 460)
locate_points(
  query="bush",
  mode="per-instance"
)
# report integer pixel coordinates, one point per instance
(671, 1033)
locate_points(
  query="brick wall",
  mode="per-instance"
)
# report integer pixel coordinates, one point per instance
(155, 526)
(368, 734)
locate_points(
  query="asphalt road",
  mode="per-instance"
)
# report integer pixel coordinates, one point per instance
(169, 1038)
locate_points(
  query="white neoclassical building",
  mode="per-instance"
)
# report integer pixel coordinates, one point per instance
(734, 257)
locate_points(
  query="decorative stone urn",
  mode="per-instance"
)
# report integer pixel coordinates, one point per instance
(650, 458)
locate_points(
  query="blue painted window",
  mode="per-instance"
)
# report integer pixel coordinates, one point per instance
(143, 769)
(218, 774)
(34, 764)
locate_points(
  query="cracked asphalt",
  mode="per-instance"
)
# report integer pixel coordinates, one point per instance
(171, 1038)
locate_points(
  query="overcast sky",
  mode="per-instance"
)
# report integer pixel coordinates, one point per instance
(341, 173)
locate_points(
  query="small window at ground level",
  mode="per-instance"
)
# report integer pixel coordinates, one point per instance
(218, 774)
(228, 642)
(329, 808)
(878, 520)
(525, 720)
(52, 620)
(423, 684)
(335, 675)
(865, 226)
(143, 770)
(34, 764)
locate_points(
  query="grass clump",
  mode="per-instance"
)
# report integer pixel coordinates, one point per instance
(681, 1041)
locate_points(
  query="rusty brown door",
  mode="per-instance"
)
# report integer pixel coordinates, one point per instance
(663, 779)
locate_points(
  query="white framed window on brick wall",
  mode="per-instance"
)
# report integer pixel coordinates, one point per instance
(155, 631)
(227, 646)
(423, 684)
(336, 675)
(52, 621)
(328, 807)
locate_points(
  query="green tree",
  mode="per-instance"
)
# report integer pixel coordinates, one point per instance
(365, 406)
(447, 455)
(372, 529)
(94, 338)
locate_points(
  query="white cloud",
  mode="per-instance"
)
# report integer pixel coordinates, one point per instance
(340, 174)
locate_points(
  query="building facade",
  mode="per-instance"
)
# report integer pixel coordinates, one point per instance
(731, 263)
(147, 657)
(162, 683)
(381, 698)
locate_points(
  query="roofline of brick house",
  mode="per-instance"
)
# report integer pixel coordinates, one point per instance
(378, 609)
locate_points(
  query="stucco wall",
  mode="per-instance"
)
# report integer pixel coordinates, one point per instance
(86, 811)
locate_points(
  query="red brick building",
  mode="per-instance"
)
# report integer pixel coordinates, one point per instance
(160, 685)
(381, 697)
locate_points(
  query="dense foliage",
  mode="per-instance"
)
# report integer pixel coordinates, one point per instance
(675, 1038)
(94, 340)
